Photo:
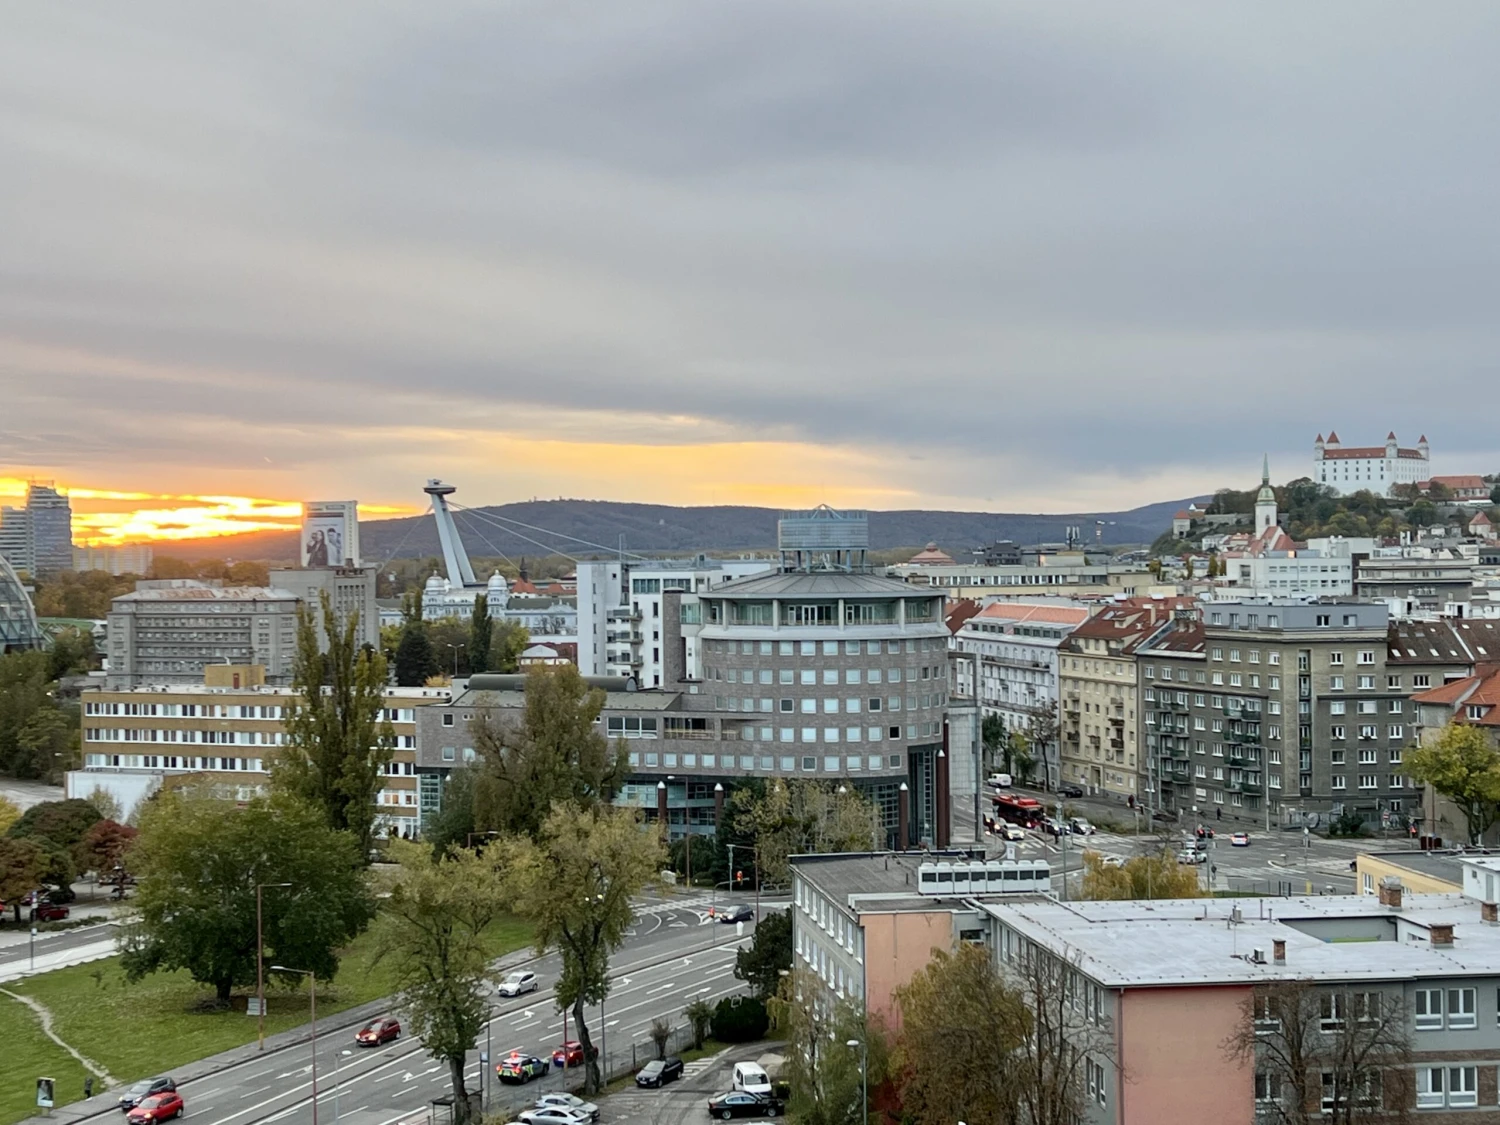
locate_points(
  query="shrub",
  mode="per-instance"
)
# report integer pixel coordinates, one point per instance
(740, 1019)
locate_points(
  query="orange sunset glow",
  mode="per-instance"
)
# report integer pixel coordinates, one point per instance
(106, 517)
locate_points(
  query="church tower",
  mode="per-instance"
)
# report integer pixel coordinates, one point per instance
(1265, 501)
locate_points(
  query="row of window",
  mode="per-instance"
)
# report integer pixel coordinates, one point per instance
(766, 763)
(170, 762)
(825, 648)
(209, 737)
(812, 676)
(914, 731)
(221, 711)
(829, 705)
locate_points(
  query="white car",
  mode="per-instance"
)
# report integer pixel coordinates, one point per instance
(569, 1101)
(553, 1115)
(999, 780)
(1013, 832)
(517, 983)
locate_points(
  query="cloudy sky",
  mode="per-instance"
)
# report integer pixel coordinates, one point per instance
(970, 255)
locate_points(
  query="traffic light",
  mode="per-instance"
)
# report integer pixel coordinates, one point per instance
(739, 876)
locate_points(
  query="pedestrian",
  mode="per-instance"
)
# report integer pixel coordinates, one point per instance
(88, 1086)
(1218, 814)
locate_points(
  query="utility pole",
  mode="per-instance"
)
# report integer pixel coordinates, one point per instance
(1062, 840)
(260, 976)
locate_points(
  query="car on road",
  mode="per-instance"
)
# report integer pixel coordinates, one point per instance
(517, 983)
(1191, 855)
(999, 780)
(552, 1115)
(1113, 861)
(1239, 840)
(1081, 827)
(518, 1068)
(157, 1107)
(51, 912)
(737, 914)
(1053, 828)
(1072, 791)
(568, 1101)
(658, 1072)
(742, 1103)
(1012, 832)
(568, 1054)
(144, 1089)
(377, 1032)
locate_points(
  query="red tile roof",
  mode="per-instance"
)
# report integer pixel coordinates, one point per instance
(1480, 690)
(957, 613)
(1355, 452)
(1056, 614)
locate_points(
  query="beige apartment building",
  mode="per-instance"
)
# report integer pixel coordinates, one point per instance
(1098, 678)
(224, 730)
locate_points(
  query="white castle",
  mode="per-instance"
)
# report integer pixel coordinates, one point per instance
(1375, 467)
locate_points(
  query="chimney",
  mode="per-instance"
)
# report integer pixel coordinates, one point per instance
(1489, 912)
(1278, 951)
(1390, 892)
(1441, 934)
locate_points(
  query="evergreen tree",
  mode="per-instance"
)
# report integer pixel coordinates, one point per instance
(481, 631)
(416, 663)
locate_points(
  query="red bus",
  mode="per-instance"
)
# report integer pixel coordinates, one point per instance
(1025, 811)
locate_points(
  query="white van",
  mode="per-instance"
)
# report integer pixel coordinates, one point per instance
(1000, 780)
(751, 1078)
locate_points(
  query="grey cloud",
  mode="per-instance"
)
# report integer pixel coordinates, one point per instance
(1064, 240)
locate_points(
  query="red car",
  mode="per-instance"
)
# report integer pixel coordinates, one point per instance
(158, 1107)
(378, 1032)
(48, 912)
(569, 1054)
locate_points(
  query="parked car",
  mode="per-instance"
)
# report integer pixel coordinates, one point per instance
(737, 914)
(50, 912)
(1081, 827)
(144, 1089)
(742, 1103)
(377, 1032)
(1072, 791)
(1239, 840)
(658, 1072)
(568, 1054)
(158, 1107)
(552, 1115)
(1191, 855)
(518, 1068)
(570, 1102)
(518, 983)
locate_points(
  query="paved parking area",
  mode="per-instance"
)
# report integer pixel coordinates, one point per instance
(685, 1100)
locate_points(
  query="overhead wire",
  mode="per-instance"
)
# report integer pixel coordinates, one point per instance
(544, 546)
(501, 521)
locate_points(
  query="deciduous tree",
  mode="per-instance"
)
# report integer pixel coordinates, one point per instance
(510, 641)
(198, 860)
(1460, 764)
(415, 661)
(1338, 1055)
(23, 864)
(10, 812)
(554, 753)
(1068, 1030)
(481, 632)
(791, 817)
(824, 1072)
(431, 931)
(574, 882)
(337, 744)
(962, 1038)
(63, 822)
(104, 847)
(1157, 875)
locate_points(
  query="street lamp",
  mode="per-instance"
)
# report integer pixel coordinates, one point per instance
(313, 994)
(260, 976)
(864, 1075)
(455, 649)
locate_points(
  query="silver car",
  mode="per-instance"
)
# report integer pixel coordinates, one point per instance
(570, 1102)
(517, 983)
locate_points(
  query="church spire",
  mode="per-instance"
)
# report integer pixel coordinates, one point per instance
(1265, 500)
(1265, 468)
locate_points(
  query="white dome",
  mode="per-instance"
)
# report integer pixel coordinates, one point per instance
(497, 582)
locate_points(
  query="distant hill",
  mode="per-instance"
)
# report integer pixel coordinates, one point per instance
(594, 527)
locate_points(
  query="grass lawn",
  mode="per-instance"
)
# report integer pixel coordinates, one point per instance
(149, 1027)
(30, 1055)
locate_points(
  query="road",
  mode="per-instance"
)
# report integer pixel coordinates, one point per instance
(1282, 857)
(673, 954)
(685, 1100)
(55, 949)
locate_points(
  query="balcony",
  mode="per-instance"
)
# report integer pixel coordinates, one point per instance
(622, 613)
(1117, 744)
(1173, 705)
(1117, 720)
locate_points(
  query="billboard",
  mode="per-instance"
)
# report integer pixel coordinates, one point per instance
(330, 533)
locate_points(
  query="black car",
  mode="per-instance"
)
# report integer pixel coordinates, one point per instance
(1069, 791)
(144, 1089)
(741, 1103)
(737, 914)
(658, 1072)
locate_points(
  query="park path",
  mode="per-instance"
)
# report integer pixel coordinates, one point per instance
(44, 1015)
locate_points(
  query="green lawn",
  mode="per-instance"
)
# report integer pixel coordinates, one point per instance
(30, 1055)
(154, 1025)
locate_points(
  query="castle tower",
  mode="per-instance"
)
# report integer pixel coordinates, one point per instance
(1265, 501)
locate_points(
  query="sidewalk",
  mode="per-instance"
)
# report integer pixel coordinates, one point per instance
(107, 1103)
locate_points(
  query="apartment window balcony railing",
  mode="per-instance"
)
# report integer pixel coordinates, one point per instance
(623, 613)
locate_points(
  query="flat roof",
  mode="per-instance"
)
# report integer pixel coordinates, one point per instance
(1176, 942)
(1445, 865)
(416, 694)
(817, 584)
(844, 874)
(613, 701)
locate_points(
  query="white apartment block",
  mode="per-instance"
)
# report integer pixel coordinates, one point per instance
(620, 623)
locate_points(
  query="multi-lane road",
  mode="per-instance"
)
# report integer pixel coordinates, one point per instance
(674, 953)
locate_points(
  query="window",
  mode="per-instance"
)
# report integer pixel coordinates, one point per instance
(1461, 1009)
(1427, 1009)
(1265, 1017)
(1267, 1086)
(1097, 1089)
(1367, 657)
(1333, 1009)
(448, 719)
(1438, 1086)
(1336, 659)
